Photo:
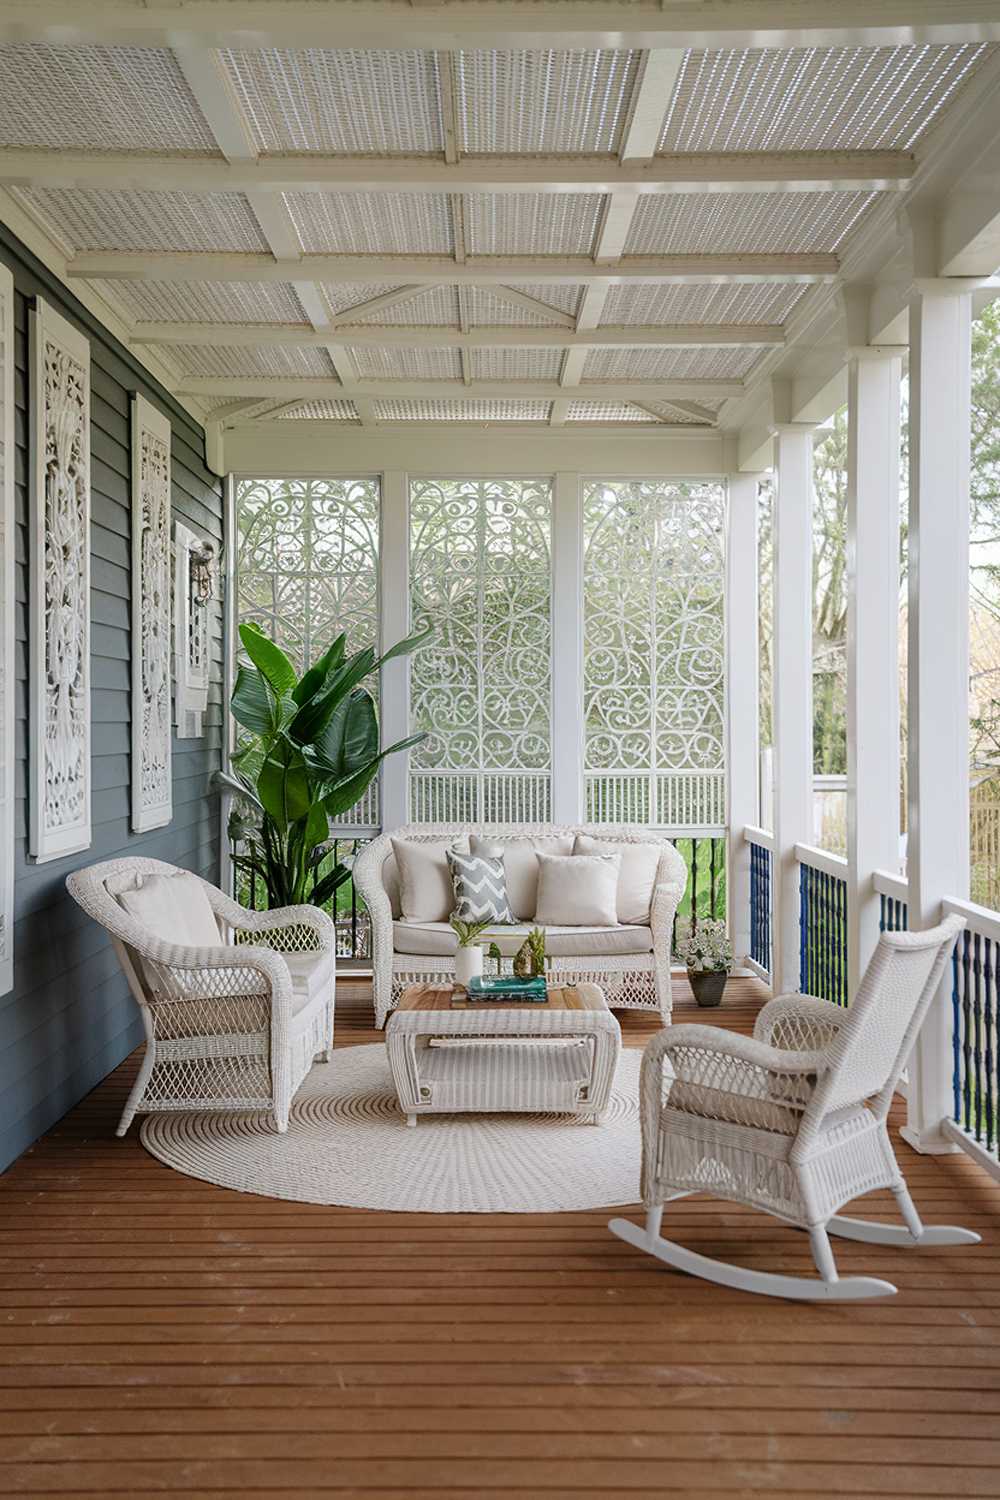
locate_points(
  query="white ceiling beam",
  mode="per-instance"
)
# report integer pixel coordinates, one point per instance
(375, 304)
(658, 74)
(430, 270)
(692, 409)
(287, 388)
(280, 336)
(316, 172)
(497, 23)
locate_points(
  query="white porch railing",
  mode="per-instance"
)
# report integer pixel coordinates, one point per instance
(974, 996)
(822, 923)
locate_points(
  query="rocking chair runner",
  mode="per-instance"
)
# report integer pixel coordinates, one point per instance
(792, 1120)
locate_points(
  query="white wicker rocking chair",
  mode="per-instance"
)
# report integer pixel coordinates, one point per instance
(232, 1026)
(792, 1120)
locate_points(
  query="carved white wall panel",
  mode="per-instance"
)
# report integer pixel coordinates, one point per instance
(6, 630)
(152, 799)
(192, 638)
(59, 686)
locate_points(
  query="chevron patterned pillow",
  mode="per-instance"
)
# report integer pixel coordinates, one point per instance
(480, 886)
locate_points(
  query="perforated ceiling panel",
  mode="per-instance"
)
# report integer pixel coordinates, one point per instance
(651, 304)
(197, 359)
(406, 364)
(437, 307)
(111, 220)
(98, 99)
(607, 411)
(516, 364)
(669, 364)
(487, 308)
(206, 301)
(322, 411)
(813, 99)
(344, 295)
(532, 223)
(462, 411)
(543, 101)
(751, 223)
(372, 223)
(351, 100)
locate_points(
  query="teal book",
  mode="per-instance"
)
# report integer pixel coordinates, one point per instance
(507, 988)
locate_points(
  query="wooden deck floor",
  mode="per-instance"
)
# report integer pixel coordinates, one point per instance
(164, 1337)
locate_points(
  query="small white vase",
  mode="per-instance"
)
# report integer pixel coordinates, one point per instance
(468, 964)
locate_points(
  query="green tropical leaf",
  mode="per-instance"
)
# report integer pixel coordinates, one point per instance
(223, 782)
(253, 702)
(331, 882)
(312, 680)
(283, 785)
(342, 797)
(408, 644)
(269, 658)
(314, 715)
(360, 743)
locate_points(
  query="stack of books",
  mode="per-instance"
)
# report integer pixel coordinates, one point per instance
(532, 991)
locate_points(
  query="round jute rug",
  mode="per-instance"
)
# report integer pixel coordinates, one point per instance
(348, 1144)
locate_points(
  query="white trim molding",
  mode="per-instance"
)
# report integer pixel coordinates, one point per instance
(7, 639)
(192, 645)
(152, 791)
(59, 672)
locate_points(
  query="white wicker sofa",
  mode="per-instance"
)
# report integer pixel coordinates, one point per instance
(631, 962)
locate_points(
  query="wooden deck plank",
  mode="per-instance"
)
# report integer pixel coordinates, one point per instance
(161, 1336)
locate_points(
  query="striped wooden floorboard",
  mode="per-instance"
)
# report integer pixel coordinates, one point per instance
(160, 1336)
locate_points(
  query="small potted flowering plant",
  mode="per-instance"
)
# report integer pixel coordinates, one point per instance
(708, 954)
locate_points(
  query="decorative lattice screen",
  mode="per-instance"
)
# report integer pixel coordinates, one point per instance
(480, 569)
(307, 568)
(654, 652)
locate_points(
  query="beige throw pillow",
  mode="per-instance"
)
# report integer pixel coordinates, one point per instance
(636, 875)
(520, 862)
(425, 891)
(576, 890)
(173, 908)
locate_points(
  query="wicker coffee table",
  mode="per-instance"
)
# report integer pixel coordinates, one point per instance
(447, 1054)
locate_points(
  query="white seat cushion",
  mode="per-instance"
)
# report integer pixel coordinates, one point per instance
(437, 940)
(312, 974)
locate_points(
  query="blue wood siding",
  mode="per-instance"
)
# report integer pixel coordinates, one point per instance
(69, 1019)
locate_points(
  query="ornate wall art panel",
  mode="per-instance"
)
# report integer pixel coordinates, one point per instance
(59, 687)
(480, 570)
(152, 794)
(654, 650)
(195, 581)
(7, 741)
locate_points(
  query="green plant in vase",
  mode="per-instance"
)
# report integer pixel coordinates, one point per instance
(310, 752)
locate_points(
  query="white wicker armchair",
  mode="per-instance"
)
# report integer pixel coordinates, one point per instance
(793, 1120)
(637, 976)
(235, 1026)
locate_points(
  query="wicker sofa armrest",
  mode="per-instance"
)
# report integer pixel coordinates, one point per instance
(666, 899)
(797, 1022)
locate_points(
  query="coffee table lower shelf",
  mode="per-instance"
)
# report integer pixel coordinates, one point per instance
(557, 1058)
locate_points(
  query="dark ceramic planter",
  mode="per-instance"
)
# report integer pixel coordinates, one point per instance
(708, 988)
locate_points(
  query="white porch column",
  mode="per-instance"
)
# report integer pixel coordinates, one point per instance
(567, 650)
(742, 685)
(938, 663)
(791, 669)
(394, 623)
(872, 642)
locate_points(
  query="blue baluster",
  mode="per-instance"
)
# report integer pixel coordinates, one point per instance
(977, 1036)
(989, 975)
